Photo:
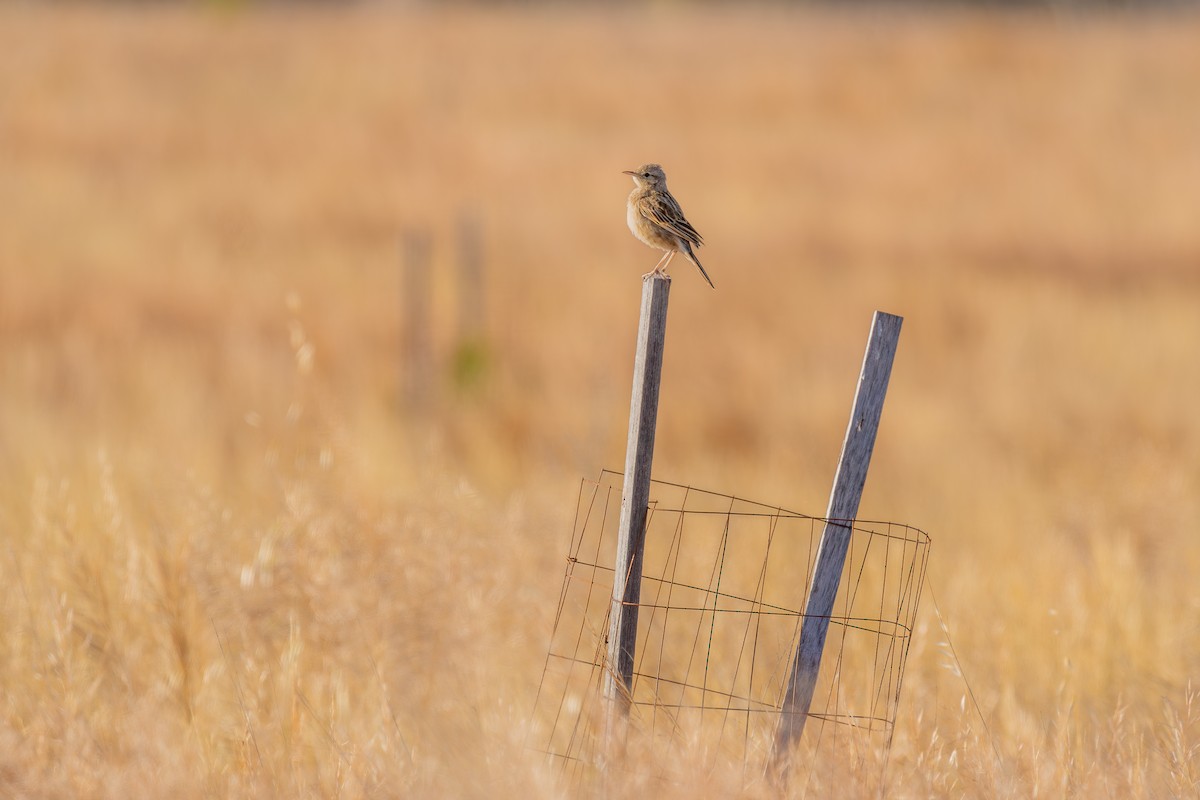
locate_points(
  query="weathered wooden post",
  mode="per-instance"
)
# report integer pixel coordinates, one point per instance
(470, 351)
(471, 289)
(835, 538)
(635, 495)
(417, 356)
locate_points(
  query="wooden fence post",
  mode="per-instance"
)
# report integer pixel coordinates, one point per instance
(470, 364)
(635, 495)
(418, 359)
(835, 538)
(471, 288)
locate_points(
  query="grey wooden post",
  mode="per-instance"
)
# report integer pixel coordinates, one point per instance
(418, 359)
(471, 287)
(635, 496)
(835, 538)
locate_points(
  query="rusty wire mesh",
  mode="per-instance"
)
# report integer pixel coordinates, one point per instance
(724, 581)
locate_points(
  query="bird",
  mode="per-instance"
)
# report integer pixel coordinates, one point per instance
(654, 217)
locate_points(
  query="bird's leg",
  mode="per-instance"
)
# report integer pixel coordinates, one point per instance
(661, 269)
(660, 266)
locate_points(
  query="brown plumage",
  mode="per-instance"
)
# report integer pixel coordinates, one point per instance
(655, 217)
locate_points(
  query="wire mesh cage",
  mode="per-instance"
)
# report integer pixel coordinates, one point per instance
(723, 583)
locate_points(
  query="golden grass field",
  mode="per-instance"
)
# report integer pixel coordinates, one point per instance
(235, 566)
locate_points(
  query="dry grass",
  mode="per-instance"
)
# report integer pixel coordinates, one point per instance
(233, 567)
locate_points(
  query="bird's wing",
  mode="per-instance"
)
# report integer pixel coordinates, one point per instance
(663, 210)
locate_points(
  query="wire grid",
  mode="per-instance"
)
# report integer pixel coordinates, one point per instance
(723, 580)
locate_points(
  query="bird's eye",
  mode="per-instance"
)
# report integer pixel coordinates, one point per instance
(645, 174)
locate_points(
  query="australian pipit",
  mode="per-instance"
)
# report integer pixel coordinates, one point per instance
(655, 217)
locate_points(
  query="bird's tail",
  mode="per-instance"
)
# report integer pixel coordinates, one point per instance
(691, 256)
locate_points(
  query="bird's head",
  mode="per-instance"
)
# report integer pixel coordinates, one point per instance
(648, 176)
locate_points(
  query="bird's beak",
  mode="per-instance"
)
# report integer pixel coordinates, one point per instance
(628, 172)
